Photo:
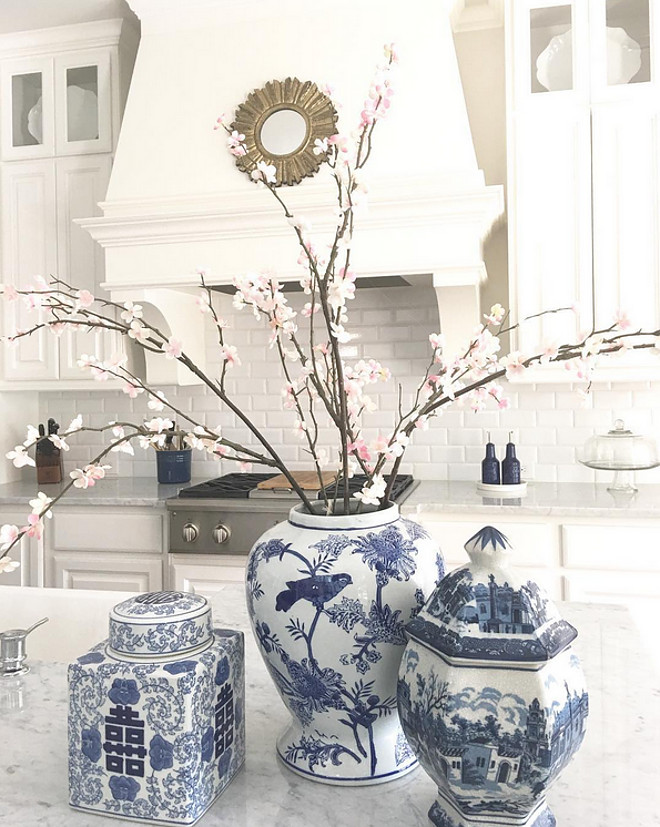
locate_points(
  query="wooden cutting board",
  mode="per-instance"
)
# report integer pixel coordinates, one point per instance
(307, 480)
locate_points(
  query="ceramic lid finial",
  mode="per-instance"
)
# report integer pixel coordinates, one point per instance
(487, 542)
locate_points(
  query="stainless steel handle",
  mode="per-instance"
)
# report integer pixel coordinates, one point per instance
(221, 533)
(190, 533)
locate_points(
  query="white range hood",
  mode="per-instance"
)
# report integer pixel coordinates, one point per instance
(177, 203)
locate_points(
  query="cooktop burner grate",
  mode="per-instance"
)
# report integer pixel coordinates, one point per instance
(238, 486)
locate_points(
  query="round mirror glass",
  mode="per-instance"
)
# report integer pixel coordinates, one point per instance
(283, 132)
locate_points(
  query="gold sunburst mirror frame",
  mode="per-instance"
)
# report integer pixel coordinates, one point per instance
(289, 146)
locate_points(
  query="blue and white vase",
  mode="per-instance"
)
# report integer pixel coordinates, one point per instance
(156, 725)
(328, 598)
(491, 696)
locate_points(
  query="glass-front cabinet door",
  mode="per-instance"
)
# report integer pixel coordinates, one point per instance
(27, 109)
(83, 104)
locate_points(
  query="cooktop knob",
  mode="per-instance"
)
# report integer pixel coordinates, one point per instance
(221, 534)
(190, 532)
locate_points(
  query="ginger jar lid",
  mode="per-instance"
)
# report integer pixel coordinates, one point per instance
(489, 611)
(160, 624)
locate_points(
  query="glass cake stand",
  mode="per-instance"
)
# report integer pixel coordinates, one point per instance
(621, 451)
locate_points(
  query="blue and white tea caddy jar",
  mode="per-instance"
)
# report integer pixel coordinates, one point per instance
(156, 727)
(491, 696)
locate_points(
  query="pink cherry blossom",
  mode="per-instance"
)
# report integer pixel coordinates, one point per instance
(320, 146)
(172, 348)
(550, 351)
(245, 467)
(10, 293)
(131, 390)
(8, 536)
(84, 298)
(59, 442)
(157, 402)
(221, 121)
(34, 527)
(514, 364)
(75, 424)
(40, 503)
(138, 332)
(622, 321)
(229, 354)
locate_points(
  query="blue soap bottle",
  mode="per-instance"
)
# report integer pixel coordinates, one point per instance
(510, 464)
(490, 465)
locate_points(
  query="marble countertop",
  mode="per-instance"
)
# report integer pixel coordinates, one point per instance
(541, 499)
(612, 781)
(142, 491)
(563, 499)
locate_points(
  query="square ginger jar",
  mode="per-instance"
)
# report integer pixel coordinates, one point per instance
(156, 724)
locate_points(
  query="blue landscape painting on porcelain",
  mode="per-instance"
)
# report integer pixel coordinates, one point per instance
(328, 609)
(157, 740)
(492, 703)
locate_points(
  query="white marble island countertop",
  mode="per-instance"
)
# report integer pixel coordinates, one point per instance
(612, 781)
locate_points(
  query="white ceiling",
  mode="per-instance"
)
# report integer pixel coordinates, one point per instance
(22, 15)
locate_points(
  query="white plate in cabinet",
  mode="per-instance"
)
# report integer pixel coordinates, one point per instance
(104, 571)
(612, 548)
(205, 573)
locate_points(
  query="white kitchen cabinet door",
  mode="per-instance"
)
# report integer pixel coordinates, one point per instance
(104, 571)
(204, 573)
(27, 104)
(99, 547)
(81, 184)
(83, 103)
(29, 248)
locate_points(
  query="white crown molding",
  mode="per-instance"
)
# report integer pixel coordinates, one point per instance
(77, 36)
(249, 216)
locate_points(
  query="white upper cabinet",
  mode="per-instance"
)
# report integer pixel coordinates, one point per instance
(59, 105)
(83, 103)
(62, 92)
(583, 163)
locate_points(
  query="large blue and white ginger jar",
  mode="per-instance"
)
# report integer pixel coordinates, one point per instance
(491, 695)
(156, 726)
(329, 597)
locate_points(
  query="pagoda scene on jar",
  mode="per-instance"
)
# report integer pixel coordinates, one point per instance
(491, 696)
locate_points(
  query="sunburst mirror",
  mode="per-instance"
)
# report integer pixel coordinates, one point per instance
(281, 122)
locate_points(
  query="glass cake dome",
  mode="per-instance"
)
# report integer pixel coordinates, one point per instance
(622, 451)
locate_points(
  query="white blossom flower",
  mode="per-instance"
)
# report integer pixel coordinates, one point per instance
(8, 565)
(157, 402)
(8, 536)
(373, 492)
(138, 332)
(19, 457)
(59, 442)
(32, 436)
(131, 312)
(75, 424)
(40, 503)
(172, 348)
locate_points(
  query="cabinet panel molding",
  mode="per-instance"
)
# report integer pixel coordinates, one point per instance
(98, 529)
(106, 572)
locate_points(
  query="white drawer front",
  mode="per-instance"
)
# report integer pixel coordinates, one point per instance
(612, 547)
(98, 530)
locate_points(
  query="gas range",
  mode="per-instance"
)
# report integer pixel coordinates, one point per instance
(228, 514)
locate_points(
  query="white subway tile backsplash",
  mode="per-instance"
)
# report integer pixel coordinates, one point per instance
(549, 421)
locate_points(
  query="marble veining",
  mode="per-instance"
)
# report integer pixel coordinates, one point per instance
(612, 781)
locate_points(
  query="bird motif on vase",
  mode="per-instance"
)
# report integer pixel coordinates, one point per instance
(318, 589)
